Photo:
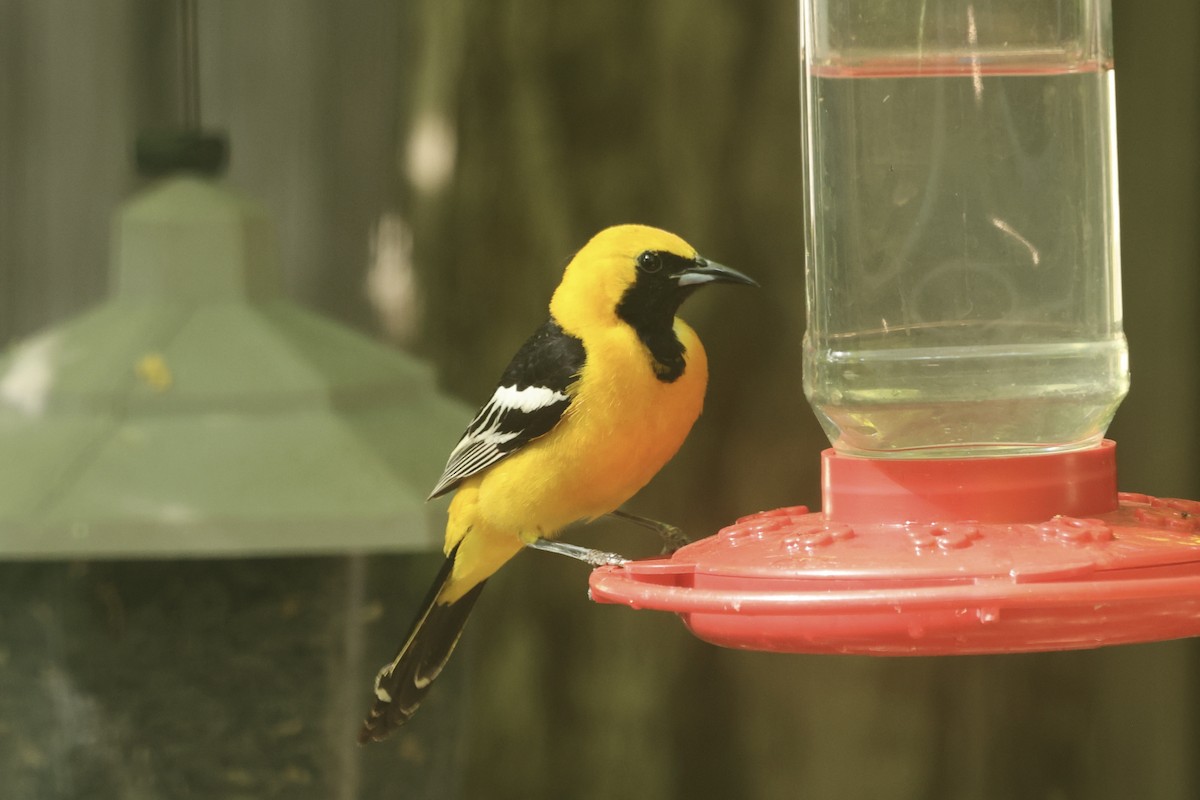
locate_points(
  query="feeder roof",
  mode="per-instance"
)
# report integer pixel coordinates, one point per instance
(197, 412)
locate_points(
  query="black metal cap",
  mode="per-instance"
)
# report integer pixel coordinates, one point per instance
(169, 151)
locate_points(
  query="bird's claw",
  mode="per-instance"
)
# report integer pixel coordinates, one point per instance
(673, 539)
(599, 558)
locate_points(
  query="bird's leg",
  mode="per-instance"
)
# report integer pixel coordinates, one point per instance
(597, 558)
(673, 538)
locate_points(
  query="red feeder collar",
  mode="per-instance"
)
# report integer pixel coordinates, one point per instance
(935, 557)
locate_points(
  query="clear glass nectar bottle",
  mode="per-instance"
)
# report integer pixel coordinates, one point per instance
(963, 271)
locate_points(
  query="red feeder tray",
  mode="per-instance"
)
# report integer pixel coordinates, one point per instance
(938, 557)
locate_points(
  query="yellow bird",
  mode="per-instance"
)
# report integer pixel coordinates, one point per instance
(588, 411)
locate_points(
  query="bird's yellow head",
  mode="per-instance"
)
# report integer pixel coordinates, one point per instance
(634, 274)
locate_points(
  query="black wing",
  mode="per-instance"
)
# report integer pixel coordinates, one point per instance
(528, 403)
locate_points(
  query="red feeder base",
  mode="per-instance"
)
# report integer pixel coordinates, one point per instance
(938, 557)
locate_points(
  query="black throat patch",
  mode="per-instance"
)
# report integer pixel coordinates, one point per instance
(649, 306)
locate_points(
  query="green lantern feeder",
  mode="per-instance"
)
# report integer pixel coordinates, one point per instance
(199, 412)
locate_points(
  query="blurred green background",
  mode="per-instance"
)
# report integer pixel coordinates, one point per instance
(431, 165)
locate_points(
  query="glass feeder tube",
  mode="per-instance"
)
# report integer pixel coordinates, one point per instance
(963, 262)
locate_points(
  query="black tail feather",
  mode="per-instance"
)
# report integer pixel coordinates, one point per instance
(403, 682)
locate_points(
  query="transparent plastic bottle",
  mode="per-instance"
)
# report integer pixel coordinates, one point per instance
(961, 219)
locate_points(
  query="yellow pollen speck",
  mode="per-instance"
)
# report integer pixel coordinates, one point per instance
(152, 369)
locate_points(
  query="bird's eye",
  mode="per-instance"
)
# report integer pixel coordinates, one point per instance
(649, 262)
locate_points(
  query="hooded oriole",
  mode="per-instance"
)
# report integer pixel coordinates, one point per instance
(591, 407)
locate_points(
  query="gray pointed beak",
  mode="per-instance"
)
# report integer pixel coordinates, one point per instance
(704, 271)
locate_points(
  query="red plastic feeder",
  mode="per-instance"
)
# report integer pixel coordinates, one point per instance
(935, 557)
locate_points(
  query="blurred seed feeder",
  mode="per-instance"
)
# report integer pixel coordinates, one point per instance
(964, 353)
(198, 412)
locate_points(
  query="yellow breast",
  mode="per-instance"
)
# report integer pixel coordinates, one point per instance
(622, 426)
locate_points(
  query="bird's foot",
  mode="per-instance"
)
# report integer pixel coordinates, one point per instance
(596, 558)
(673, 537)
